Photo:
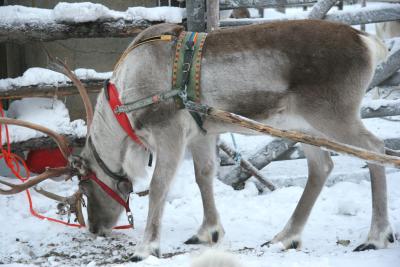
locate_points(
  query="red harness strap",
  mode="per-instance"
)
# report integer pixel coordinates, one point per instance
(122, 118)
(112, 194)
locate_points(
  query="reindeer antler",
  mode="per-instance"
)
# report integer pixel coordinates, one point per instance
(57, 65)
(59, 139)
(74, 202)
(49, 173)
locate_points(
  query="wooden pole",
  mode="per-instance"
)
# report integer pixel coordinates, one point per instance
(195, 10)
(244, 122)
(212, 15)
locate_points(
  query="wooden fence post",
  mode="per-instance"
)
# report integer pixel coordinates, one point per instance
(196, 15)
(212, 15)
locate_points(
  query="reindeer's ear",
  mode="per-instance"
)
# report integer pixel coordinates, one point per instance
(125, 187)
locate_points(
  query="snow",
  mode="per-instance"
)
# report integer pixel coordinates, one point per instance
(37, 76)
(50, 113)
(167, 14)
(87, 12)
(342, 212)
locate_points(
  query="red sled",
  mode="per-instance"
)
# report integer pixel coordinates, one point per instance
(39, 159)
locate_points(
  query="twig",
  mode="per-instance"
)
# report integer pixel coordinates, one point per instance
(247, 166)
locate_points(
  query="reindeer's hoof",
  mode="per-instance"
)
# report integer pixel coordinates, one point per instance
(207, 235)
(194, 240)
(390, 237)
(143, 251)
(364, 247)
(136, 258)
(291, 245)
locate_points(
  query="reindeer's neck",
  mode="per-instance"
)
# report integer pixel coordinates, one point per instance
(111, 143)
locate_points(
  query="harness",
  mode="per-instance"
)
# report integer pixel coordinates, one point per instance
(185, 91)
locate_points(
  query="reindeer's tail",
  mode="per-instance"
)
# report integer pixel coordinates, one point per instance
(215, 258)
(377, 48)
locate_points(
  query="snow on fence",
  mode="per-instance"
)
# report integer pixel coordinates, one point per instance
(79, 20)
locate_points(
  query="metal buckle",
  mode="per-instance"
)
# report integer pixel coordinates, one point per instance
(130, 217)
(186, 67)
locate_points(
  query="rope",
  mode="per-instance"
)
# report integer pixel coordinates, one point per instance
(17, 165)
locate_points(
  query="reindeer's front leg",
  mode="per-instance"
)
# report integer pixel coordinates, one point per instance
(204, 158)
(169, 154)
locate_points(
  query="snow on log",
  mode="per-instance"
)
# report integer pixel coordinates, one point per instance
(371, 14)
(380, 108)
(320, 9)
(79, 20)
(40, 82)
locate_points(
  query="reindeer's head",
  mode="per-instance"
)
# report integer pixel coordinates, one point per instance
(106, 196)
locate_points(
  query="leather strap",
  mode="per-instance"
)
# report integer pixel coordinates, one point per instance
(103, 166)
(122, 118)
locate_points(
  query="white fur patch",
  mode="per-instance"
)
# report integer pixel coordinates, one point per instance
(215, 258)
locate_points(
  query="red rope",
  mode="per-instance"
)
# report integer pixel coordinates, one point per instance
(14, 163)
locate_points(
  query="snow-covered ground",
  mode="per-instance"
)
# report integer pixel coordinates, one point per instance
(342, 212)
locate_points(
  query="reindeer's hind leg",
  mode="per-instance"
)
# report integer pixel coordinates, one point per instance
(204, 157)
(170, 150)
(380, 232)
(353, 132)
(319, 167)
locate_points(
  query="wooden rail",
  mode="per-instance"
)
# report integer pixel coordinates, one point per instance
(45, 32)
(389, 12)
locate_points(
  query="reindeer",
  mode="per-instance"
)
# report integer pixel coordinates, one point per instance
(298, 75)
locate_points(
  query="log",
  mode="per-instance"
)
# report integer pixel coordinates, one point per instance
(389, 12)
(390, 108)
(259, 160)
(246, 165)
(196, 10)
(387, 68)
(45, 142)
(393, 80)
(24, 32)
(320, 9)
(231, 4)
(232, 118)
(49, 90)
(212, 15)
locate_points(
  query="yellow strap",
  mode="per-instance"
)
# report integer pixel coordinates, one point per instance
(166, 37)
